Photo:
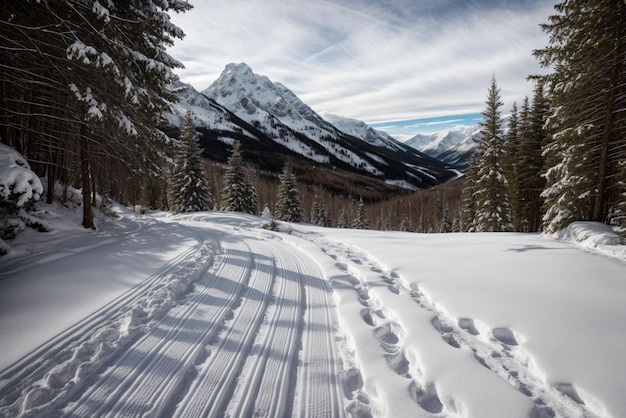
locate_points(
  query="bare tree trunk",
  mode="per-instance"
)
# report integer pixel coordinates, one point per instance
(85, 180)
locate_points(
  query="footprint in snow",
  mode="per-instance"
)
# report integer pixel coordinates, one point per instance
(426, 397)
(468, 325)
(505, 336)
(372, 316)
(446, 331)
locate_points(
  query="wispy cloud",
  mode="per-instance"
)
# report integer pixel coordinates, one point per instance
(370, 60)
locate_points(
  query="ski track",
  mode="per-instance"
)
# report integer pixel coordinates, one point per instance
(255, 336)
(51, 374)
(499, 349)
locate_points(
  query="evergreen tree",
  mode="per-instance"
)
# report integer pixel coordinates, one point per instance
(342, 220)
(468, 201)
(361, 221)
(529, 162)
(406, 224)
(509, 164)
(88, 79)
(189, 186)
(289, 205)
(587, 120)
(493, 211)
(239, 193)
(446, 223)
(319, 212)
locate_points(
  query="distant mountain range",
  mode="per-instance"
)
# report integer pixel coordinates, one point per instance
(453, 146)
(273, 125)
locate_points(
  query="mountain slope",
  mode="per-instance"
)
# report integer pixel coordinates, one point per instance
(453, 147)
(271, 119)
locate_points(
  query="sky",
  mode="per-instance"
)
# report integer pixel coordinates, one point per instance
(403, 66)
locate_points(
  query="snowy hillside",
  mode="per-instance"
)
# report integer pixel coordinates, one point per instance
(208, 314)
(254, 97)
(361, 130)
(279, 122)
(454, 146)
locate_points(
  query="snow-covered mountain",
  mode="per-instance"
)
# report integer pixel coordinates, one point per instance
(270, 120)
(362, 130)
(453, 146)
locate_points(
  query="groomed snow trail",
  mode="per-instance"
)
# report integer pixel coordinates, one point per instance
(255, 336)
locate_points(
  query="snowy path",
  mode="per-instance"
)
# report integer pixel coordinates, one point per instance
(255, 336)
(209, 315)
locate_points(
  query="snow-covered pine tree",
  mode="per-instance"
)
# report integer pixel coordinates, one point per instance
(406, 225)
(529, 164)
(239, 193)
(95, 85)
(319, 212)
(189, 185)
(468, 201)
(342, 219)
(361, 221)
(289, 205)
(446, 223)
(512, 139)
(493, 210)
(587, 120)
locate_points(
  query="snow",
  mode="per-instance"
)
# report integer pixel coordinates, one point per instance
(17, 181)
(208, 314)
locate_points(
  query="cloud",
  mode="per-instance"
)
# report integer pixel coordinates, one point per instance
(369, 60)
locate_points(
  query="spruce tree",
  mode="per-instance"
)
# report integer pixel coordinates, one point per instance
(446, 223)
(468, 200)
(529, 162)
(239, 193)
(289, 205)
(493, 211)
(342, 220)
(84, 86)
(361, 221)
(509, 164)
(587, 120)
(319, 212)
(189, 186)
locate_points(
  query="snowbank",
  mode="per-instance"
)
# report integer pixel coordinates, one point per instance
(594, 237)
(17, 182)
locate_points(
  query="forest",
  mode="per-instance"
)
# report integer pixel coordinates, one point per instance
(85, 87)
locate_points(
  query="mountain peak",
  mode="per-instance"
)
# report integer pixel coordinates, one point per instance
(239, 68)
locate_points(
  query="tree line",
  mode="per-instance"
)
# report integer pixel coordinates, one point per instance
(563, 157)
(85, 85)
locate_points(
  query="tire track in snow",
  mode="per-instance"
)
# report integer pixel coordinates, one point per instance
(497, 349)
(153, 371)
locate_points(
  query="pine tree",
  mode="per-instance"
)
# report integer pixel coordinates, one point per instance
(361, 221)
(587, 119)
(510, 167)
(239, 193)
(319, 212)
(406, 224)
(342, 220)
(468, 200)
(529, 164)
(289, 205)
(493, 211)
(446, 223)
(86, 93)
(189, 187)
